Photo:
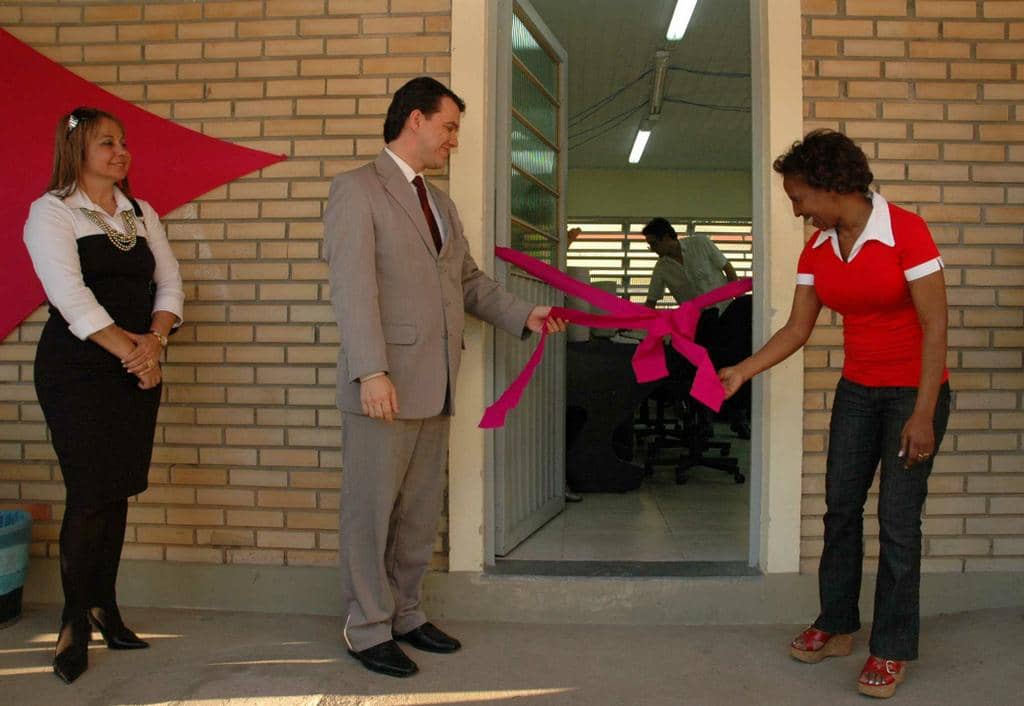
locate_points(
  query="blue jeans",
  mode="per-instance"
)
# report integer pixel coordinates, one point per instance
(865, 430)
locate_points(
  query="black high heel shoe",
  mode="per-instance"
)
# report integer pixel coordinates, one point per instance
(71, 658)
(115, 633)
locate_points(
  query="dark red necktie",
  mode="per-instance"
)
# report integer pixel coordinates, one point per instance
(428, 213)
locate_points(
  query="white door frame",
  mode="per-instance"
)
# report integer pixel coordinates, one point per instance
(777, 420)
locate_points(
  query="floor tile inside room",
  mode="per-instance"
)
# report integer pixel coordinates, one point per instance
(705, 519)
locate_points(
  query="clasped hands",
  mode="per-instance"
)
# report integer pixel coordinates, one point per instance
(144, 360)
(377, 394)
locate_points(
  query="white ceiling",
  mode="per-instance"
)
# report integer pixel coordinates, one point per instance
(612, 42)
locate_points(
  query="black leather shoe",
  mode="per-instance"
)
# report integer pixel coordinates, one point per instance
(429, 638)
(114, 631)
(386, 658)
(72, 656)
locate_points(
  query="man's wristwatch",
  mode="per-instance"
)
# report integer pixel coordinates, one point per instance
(160, 337)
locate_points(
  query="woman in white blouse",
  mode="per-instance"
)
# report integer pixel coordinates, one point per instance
(115, 295)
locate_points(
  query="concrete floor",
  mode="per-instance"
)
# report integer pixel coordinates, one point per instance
(202, 658)
(707, 519)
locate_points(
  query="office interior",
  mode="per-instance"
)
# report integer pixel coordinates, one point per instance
(669, 482)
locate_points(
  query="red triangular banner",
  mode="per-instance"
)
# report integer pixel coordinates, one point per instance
(171, 164)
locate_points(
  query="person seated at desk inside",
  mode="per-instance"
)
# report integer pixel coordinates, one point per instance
(689, 268)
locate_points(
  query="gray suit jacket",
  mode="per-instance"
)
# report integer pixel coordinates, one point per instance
(399, 304)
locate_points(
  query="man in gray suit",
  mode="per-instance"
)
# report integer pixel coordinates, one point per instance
(402, 279)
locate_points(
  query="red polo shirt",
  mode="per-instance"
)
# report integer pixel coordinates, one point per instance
(881, 332)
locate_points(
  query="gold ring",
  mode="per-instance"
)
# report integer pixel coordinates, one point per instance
(922, 455)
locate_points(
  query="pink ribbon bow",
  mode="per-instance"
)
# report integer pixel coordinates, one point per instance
(649, 360)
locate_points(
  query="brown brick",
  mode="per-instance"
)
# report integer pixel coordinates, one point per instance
(224, 496)
(208, 69)
(194, 516)
(946, 91)
(329, 67)
(912, 111)
(302, 87)
(165, 535)
(940, 50)
(430, 44)
(979, 71)
(225, 537)
(255, 518)
(973, 194)
(268, 69)
(294, 8)
(239, 8)
(405, 6)
(912, 193)
(877, 89)
(915, 69)
(287, 498)
(842, 28)
(113, 13)
(943, 131)
(1000, 50)
(356, 7)
(207, 30)
(393, 65)
(972, 30)
(908, 151)
(907, 29)
(946, 8)
(293, 47)
(939, 172)
(148, 72)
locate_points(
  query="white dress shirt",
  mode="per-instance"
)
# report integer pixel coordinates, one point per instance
(409, 173)
(51, 233)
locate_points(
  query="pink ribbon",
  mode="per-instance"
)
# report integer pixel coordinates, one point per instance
(649, 360)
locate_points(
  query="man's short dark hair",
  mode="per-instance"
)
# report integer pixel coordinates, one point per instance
(423, 94)
(660, 228)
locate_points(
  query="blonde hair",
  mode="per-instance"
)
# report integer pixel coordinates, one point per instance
(74, 130)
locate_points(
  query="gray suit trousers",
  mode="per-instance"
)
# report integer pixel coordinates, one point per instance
(392, 489)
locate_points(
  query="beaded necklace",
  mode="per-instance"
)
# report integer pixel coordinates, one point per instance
(122, 241)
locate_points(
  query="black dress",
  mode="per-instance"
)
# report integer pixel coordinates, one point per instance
(101, 423)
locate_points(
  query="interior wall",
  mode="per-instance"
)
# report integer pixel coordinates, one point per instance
(645, 193)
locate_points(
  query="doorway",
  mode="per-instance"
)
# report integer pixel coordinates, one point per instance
(693, 97)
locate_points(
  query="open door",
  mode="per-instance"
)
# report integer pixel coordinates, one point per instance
(530, 213)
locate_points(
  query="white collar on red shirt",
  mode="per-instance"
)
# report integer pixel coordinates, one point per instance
(79, 199)
(878, 227)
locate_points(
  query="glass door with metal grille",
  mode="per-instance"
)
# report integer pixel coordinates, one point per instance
(529, 452)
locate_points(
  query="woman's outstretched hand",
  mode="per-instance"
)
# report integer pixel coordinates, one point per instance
(732, 379)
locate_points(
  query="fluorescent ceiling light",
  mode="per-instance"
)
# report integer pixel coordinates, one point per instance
(639, 143)
(680, 19)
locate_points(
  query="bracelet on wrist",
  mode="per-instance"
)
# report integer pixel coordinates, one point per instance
(160, 337)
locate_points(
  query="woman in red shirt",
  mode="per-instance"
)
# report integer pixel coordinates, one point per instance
(877, 265)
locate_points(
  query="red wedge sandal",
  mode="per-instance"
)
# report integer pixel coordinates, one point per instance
(813, 645)
(879, 677)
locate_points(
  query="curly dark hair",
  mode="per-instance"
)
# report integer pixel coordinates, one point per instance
(828, 160)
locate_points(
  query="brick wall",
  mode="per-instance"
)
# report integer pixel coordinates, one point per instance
(933, 92)
(246, 466)
(246, 463)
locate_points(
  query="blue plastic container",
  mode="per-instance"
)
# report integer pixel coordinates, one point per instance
(15, 535)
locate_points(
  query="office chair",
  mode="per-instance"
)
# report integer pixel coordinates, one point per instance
(691, 429)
